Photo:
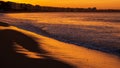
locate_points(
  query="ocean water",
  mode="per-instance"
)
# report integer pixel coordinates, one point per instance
(100, 31)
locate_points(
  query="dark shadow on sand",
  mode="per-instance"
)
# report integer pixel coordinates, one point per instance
(9, 58)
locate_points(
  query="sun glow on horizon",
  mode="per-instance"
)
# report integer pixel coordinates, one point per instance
(100, 4)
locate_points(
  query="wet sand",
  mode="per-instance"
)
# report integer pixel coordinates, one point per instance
(21, 48)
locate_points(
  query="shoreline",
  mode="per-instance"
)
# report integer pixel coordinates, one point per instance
(60, 54)
(66, 40)
(61, 12)
(86, 45)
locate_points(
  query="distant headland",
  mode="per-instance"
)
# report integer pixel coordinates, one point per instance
(23, 7)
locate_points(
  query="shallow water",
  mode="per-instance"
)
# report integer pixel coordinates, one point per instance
(94, 30)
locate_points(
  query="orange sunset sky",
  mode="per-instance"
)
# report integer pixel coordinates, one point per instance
(100, 4)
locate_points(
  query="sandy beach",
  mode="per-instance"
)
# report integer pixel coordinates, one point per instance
(22, 48)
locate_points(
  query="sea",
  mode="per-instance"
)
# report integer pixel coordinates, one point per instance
(93, 30)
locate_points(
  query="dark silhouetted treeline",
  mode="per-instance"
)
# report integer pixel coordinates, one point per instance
(22, 7)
